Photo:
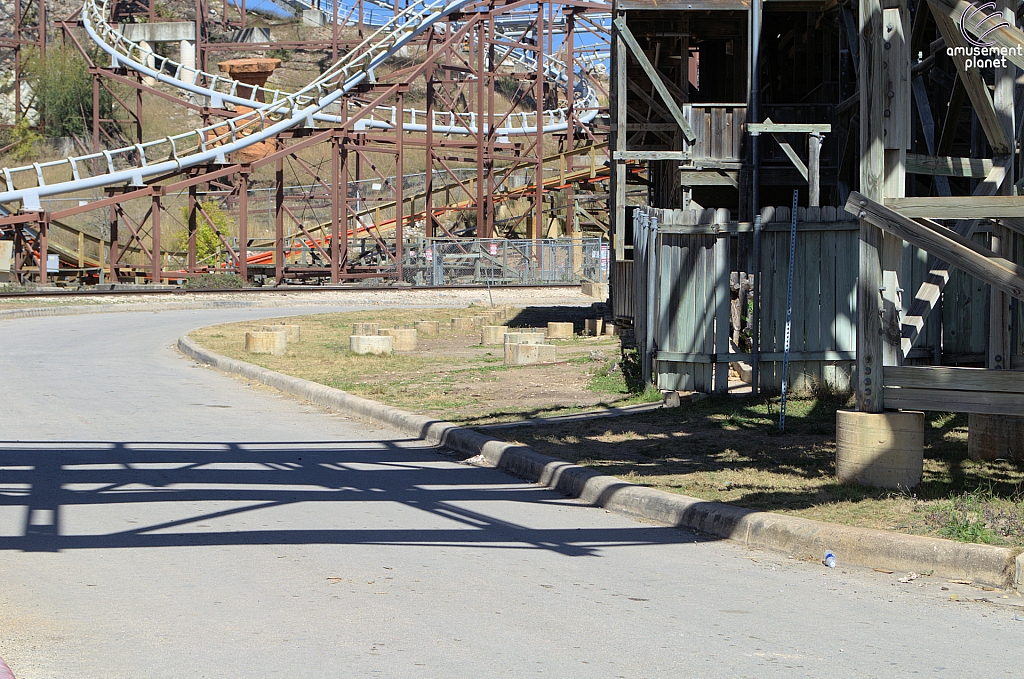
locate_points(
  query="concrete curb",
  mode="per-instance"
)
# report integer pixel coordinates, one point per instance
(802, 538)
(82, 309)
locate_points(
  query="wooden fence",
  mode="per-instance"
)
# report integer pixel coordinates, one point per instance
(680, 282)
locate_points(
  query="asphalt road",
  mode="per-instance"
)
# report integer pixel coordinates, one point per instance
(158, 519)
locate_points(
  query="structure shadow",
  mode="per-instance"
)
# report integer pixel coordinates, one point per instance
(80, 495)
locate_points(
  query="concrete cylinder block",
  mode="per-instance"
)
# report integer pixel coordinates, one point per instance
(405, 338)
(880, 449)
(428, 328)
(493, 334)
(275, 342)
(529, 354)
(294, 331)
(610, 329)
(463, 325)
(371, 344)
(597, 290)
(365, 328)
(560, 330)
(595, 326)
(995, 437)
(522, 337)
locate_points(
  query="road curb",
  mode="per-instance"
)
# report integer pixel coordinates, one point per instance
(36, 312)
(802, 538)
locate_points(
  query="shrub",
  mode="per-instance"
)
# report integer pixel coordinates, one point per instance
(215, 281)
(208, 245)
(62, 87)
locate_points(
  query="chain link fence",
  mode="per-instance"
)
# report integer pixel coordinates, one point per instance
(499, 261)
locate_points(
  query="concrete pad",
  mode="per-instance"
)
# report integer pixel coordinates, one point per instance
(529, 354)
(404, 338)
(560, 330)
(493, 334)
(428, 328)
(371, 344)
(610, 329)
(366, 329)
(161, 31)
(880, 449)
(275, 342)
(594, 326)
(294, 331)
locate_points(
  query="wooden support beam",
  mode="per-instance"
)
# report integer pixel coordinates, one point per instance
(768, 127)
(952, 119)
(949, 166)
(960, 379)
(947, 244)
(958, 207)
(650, 155)
(1008, 35)
(709, 178)
(974, 84)
(652, 73)
(942, 400)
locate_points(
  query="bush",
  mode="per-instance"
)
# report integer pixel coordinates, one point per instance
(23, 139)
(215, 281)
(208, 245)
(62, 87)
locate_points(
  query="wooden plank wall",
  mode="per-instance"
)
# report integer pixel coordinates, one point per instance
(823, 338)
(719, 131)
(824, 315)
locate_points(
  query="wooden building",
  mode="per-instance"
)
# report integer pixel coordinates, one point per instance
(909, 264)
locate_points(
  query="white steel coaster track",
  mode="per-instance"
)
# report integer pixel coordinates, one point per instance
(279, 112)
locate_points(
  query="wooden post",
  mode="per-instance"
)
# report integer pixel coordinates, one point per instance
(722, 301)
(813, 169)
(999, 342)
(618, 132)
(896, 136)
(869, 341)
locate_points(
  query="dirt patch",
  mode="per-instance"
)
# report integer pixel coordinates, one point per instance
(451, 376)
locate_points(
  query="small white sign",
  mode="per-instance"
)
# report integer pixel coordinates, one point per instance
(52, 263)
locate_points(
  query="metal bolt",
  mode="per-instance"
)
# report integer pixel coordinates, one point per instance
(867, 380)
(867, 391)
(891, 94)
(886, 113)
(867, 371)
(888, 46)
(999, 359)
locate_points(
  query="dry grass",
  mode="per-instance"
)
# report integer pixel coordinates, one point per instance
(450, 376)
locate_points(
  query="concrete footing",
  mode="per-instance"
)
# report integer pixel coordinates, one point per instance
(365, 328)
(995, 437)
(294, 331)
(493, 334)
(560, 330)
(598, 290)
(371, 344)
(610, 329)
(594, 326)
(428, 328)
(523, 338)
(405, 338)
(275, 342)
(529, 354)
(880, 449)
(465, 325)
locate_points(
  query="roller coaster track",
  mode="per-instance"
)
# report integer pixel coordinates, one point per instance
(317, 102)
